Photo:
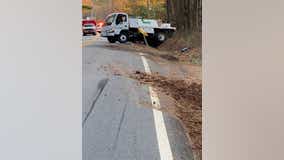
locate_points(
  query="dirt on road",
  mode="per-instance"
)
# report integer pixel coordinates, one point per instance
(187, 97)
(190, 56)
(181, 86)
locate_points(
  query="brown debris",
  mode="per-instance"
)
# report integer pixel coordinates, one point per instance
(187, 95)
(170, 54)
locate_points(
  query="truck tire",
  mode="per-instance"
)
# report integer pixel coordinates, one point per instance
(123, 37)
(111, 39)
(161, 37)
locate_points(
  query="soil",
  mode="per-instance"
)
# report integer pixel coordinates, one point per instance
(191, 56)
(181, 86)
(187, 97)
(186, 51)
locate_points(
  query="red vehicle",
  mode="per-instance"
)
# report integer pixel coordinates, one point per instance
(89, 27)
(88, 21)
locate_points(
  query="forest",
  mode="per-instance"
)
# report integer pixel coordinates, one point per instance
(186, 15)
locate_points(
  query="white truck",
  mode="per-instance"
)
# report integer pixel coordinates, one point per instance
(120, 27)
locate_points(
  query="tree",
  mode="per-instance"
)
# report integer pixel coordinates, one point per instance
(185, 14)
(144, 8)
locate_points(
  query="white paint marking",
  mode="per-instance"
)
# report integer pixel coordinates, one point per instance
(162, 136)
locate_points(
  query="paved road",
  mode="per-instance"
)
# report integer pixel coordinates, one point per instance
(115, 124)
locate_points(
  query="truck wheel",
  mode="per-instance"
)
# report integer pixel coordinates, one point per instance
(161, 36)
(111, 39)
(123, 37)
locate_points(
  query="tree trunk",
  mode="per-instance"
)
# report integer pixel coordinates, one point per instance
(186, 15)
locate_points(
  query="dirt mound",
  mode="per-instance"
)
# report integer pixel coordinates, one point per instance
(186, 50)
(170, 51)
(187, 95)
(173, 44)
(182, 40)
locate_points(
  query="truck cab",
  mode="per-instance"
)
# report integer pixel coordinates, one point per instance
(116, 27)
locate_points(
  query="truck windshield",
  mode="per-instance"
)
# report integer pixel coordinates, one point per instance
(110, 19)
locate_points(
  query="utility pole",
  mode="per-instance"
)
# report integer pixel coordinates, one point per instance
(149, 7)
(110, 5)
(92, 10)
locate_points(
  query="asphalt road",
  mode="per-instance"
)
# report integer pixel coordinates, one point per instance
(116, 126)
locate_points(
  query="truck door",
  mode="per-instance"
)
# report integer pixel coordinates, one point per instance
(121, 23)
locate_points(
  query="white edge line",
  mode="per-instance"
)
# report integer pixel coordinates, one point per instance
(162, 136)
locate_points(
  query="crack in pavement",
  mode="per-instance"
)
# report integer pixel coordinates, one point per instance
(101, 86)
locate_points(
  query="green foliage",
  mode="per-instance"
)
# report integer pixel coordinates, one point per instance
(155, 12)
(156, 9)
(158, 12)
(139, 11)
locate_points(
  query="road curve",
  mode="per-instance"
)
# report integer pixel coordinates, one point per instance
(115, 124)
